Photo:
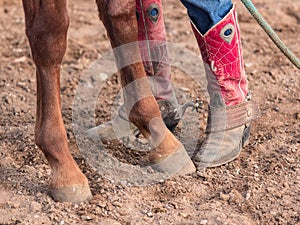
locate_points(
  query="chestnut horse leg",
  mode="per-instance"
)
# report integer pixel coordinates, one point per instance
(119, 19)
(46, 28)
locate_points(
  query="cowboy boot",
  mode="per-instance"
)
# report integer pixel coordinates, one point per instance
(230, 112)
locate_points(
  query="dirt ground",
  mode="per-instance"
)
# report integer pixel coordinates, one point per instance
(262, 186)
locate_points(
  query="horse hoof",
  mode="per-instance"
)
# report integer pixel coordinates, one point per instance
(189, 168)
(74, 194)
(178, 163)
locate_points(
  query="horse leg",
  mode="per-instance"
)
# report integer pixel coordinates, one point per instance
(119, 19)
(46, 28)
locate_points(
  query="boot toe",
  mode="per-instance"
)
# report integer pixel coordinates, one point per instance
(220, 148)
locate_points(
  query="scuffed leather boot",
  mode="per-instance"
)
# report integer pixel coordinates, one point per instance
(230, 112)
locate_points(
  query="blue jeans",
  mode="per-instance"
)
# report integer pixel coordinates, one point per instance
(206, 13)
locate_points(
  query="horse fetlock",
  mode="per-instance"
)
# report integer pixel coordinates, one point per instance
(142, 113)
(68, 174)
(52, 140)
(68, 183)
(166, 145)
(158, 132)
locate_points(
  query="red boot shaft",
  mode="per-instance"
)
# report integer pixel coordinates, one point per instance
(150, 20)
(153, 46)
(222, 55)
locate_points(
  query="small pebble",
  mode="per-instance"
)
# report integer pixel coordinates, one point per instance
(184, 89)
(247, 196)
(149, 214)
(224, 197)
(202, 222)
(84, 217)
(184, 215)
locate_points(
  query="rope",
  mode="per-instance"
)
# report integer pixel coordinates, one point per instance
(271, 33)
